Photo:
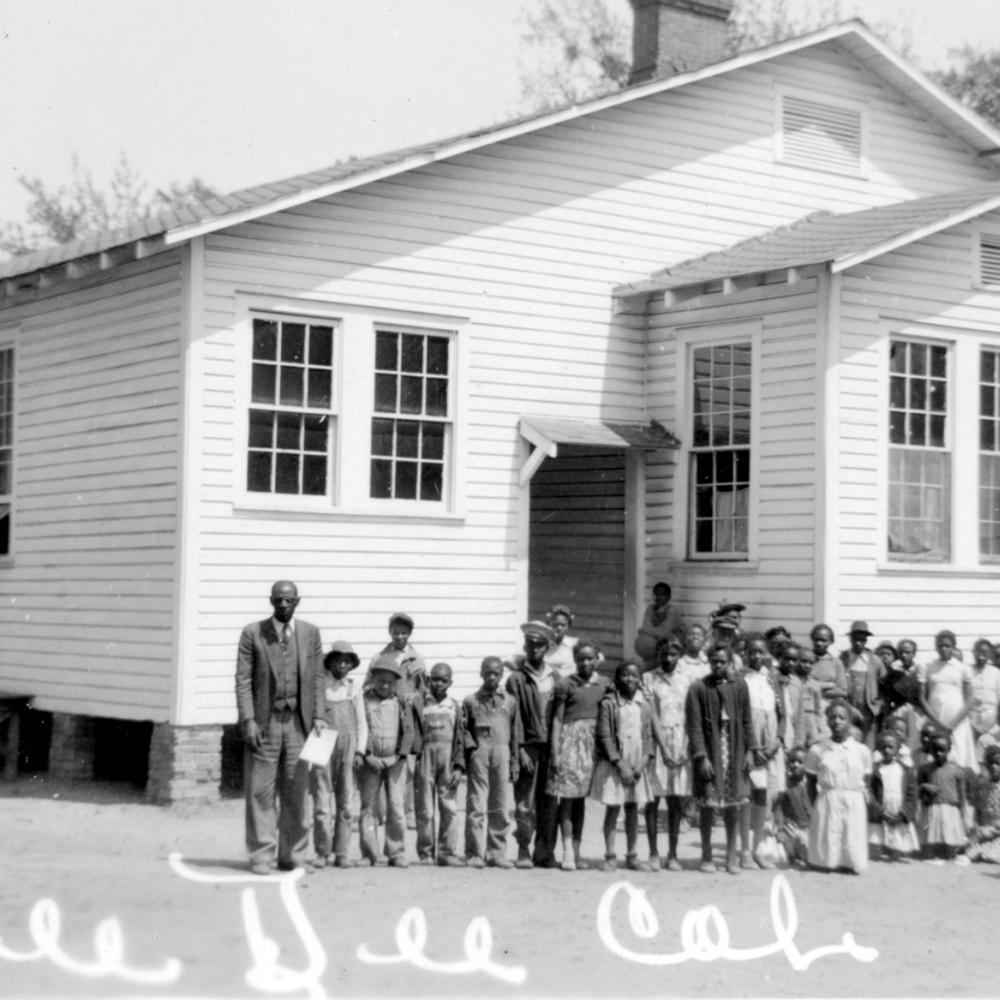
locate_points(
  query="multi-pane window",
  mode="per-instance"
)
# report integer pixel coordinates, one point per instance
(6, 447)
(720, 452)
(919, 457)
(291, 411)
(412, 422)
(989, 455)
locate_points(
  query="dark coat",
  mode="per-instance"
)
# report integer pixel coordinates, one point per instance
(909, 808)
(703, 710)
(257, 660)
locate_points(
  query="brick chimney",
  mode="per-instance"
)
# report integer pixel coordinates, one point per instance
(675, 36)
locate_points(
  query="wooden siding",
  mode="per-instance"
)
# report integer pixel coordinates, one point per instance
(524, 241)
(925, 287)
(577, 544)
(777, 585)
(87, 604)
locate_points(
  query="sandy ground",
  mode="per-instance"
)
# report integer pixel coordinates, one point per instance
(123, 921)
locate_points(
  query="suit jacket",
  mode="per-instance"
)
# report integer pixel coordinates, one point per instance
(256, 662)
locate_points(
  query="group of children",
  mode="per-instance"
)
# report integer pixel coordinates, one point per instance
(810, 758)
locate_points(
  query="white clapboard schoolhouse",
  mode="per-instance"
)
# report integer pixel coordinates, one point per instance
(736, 326)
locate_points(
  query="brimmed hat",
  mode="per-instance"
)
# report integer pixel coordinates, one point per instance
(859, 628)
(727, 607)
(539, 629)
(342, 648)
(885, 644)
(387, 662)
(401, 616)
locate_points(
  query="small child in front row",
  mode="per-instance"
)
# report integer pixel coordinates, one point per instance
(332, 786)
(440, 749)
(793, 809)
(986, 836)
(492, 731)
(624, 750)
(892, 805)
(943, 792)
(390, 741)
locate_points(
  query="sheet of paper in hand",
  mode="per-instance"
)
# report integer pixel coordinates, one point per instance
(318, 748)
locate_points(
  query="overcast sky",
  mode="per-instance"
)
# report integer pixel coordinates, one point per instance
(239, 92)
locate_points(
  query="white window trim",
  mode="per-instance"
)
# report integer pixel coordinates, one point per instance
(706, 336)
(353, 408)
(10, 340)
(864, 167)
(963, 413)
(975, 238)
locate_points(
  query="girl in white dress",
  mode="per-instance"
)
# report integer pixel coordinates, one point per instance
(946, 698)
(837, 773)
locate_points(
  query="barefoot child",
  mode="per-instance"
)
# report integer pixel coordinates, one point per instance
(440, 746)
(892, 806)
(491, 726)
(390, 741)
(624, 750)
(333, 785)
(574, 725)
(666, 689)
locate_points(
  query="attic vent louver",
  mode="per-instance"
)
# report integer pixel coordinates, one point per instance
(989, 260)
(821, 136)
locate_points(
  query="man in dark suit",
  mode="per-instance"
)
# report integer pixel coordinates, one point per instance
(279, 696)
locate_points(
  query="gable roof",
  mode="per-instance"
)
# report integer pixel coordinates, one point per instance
(842, 241)
(172, 228)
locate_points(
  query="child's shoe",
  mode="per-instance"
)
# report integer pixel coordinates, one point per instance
(319, 861)
(474, 862)
(504, 863)
(610, 864)
(398, 861)
(524, 859)
(425, 859)
(654, 863)
(633, 863)
(343, 861)
(450, 861)
(673, 865)
(962, 861)
(568, 861)
(708, 867)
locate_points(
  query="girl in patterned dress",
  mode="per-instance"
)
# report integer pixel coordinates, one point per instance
(837, 772)
(665, 690)
(624, 750)
(986, 836)
(892, 806)
(571, 766)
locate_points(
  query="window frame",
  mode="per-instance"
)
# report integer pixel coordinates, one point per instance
(688, 339)
(862, 171)
(9, 341)
(352, 406)
(947, 449)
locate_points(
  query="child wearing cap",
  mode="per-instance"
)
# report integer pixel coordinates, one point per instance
(440, 752)
(332, 786)
(532, 684)
(384, 765)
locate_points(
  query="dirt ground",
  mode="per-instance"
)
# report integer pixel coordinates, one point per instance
(123, 921)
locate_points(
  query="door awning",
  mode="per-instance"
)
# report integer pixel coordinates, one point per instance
(547, 433)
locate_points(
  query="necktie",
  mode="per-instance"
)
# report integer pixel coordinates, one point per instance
(286, 634)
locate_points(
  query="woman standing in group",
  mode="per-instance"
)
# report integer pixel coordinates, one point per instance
(946, 698)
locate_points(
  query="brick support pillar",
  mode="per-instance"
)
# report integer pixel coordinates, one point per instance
(71, 754)
(185, 763)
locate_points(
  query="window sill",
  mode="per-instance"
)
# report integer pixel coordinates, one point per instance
(718, 566)
(401, 510)
(939, 569)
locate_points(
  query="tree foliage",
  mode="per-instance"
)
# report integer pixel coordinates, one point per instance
(577, 49)
(81, 208)
(975, 81)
